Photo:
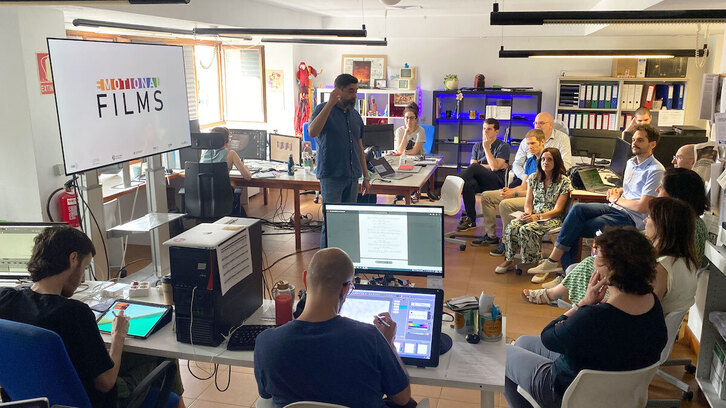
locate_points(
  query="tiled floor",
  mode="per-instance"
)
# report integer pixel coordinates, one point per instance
(467, 272)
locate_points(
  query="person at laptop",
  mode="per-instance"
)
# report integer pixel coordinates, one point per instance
(338, 131)
(488, 162)
(226, 154)
(685, 157)
(553, 138)
(509, 200)
(410, 137)
(627, 205)
(60, 256)
(641, 116)
(324, 357)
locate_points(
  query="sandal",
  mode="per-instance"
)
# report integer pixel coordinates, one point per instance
(536, 296)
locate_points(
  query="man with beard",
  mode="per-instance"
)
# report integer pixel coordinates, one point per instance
(338, 131)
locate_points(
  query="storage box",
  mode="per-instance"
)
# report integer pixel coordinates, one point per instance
(625, 67)
(666, 67)
(642, 64)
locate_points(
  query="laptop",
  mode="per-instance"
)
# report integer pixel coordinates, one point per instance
(384, 169)
(591, 180)
(416, 311)
(27, 403)
(618, 162)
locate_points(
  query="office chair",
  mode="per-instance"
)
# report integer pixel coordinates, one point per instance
(673, 324)
(313, 145)
(451, 200)
(34, 363)
(207, 191)
(605, 389)
(430, 135)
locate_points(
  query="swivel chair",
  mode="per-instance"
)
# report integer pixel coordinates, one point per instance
(34, 363)
(207, 191)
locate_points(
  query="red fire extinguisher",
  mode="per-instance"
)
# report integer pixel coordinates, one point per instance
(68, 203)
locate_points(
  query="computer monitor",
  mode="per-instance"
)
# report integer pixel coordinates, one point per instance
(416, 311)
(380, 137)
(16, 246)
(281, 147)
(668, 145)
(588, 142)
(249, 143)
(388, 239)
(620, 156)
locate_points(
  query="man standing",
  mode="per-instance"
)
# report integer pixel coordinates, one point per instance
(509, 200)
(324, 357)
(489, 159)
(628, 205)
(685, 157)
(553, 138)
(641, 116)
(60, 257)
(338, 129)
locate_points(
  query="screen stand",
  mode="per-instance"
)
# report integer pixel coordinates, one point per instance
(592, 159)
(434, 282)
(445, 343)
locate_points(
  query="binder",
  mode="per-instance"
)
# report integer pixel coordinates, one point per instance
(631, 97)
(588, 96)
(598, 121)
(628, 119)
(571, 120)
(614, 99)
(669, 102)
(649, 95)
(583, 91)
(637, 96)
(591, 120)
(681, 88)
(595, 91)
(608, 96)
(621, 121)
(560, 117)
(613, 119)
(578, 121)
(624, 98)
(601, 97)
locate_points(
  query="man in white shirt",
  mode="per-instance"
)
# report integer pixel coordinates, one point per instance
(553, 138)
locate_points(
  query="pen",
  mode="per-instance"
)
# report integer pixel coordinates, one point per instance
(385, 323)
(114, 314)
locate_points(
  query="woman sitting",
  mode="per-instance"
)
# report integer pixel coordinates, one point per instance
(682, 184)
(410, 137)
(547, 194)
(225, 154)
(625, 332)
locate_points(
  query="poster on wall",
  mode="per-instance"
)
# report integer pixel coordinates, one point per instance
(274, 80)
(367, 68)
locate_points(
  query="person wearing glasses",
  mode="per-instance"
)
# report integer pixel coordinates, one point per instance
(553, 138)
(325, 357)
(685, 157)
(410, 137)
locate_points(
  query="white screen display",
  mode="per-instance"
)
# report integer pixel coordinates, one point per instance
(118, 101)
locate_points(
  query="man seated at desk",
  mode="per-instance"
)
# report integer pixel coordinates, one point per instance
(225, 154)
(324, 357)
(627, 205)
(60, 257)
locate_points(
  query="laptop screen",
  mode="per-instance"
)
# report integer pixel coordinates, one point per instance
(416, 311)
(590, 178)
(620, 157)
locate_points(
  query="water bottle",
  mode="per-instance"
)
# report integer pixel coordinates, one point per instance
(290, 166)
(307, 156)
(402, 159)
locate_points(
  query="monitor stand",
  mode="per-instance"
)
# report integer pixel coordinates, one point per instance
(445, 343)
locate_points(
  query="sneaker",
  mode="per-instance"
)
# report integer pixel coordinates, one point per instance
(432, 196)
(554, 282)
(503, 269)
(487, 240)
(546, 266)
(465, 224)
(498, 251)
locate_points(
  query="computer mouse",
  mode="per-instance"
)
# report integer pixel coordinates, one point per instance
(472, 338)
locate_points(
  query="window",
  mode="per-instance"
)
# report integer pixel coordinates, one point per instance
(244, 86)
(208, 90)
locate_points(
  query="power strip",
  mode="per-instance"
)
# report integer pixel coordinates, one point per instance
(139, 289)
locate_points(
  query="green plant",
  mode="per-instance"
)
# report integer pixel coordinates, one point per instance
(451, 77)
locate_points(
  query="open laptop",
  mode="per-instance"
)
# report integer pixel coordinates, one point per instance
(416, 311)
(384, 169)
(618, 162)
(592, 181)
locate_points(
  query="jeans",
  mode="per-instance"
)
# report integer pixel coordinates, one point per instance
(478, 179)
(584, 220)
(335, 190)
(529, 365)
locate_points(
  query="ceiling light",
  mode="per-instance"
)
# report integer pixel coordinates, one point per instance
(605, 17)
(110, 24)
(325, 41)
(233, 32)
(602, 53)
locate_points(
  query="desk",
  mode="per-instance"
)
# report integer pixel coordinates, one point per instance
(303, 180)
(454, 370)
(584, 196)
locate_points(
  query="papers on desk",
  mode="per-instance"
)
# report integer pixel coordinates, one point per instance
(266, 174)
(518, 214)
(476, 363)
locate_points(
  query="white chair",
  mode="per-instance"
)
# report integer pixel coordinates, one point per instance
(673, 323)
(451, 200)
(605, 389)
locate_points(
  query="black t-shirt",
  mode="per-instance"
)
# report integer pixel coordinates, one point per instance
(74, 322)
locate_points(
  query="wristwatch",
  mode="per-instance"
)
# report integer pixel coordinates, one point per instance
(516, 193)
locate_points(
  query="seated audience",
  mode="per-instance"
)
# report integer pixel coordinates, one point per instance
(685, 157)
(553, 138)
(57, 266)
(509, 200)
(641, 116)
(324, 357)
(627, 205)
(489, 159)
(626, 331)
(410, 137)
(547, 194)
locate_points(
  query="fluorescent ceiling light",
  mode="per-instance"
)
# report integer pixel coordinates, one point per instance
(110, 24)
(325, 41)
(233, 32)
(605, 17)
(602, 53)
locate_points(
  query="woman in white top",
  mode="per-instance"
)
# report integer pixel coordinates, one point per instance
(410, 137)
(670, 226)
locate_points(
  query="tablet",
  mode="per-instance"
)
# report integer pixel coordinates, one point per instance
(144, 318)
(416, 311)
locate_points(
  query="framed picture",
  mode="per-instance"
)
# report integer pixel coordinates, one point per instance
(380, 83)
(403, 99)
(367, 68)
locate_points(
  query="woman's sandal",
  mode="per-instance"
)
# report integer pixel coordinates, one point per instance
(537, 296)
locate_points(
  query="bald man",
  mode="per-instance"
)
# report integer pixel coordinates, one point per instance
(324, 357)
(553, 138)
(685, 157)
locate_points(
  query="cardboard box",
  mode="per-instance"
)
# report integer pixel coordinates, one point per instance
(666, 67)
(642, 62)
(625, 67)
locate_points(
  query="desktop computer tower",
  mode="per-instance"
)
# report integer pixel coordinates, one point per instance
(205, 309)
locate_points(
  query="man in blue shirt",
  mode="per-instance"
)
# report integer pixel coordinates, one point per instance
(338, 131)
(509, 200)
(627, 205)
(489, 159)
(324, 357)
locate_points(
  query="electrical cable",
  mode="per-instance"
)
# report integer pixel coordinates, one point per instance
(98, 227)
(47, 203)
(291, 254)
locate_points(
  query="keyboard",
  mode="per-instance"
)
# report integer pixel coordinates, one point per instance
(244, 337)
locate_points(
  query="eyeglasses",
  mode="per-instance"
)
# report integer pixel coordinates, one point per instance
(542, 123)
(350, 287)
(409, 117)
(677, 157)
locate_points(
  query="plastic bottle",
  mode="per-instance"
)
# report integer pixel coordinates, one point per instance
(290, 166)
(307, 155)
(402, 158)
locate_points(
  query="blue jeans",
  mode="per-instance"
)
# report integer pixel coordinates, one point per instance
(335, 190)
(529, 365)
(584, 220)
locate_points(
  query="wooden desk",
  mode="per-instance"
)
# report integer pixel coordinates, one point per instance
(583, 196)
(303, 180)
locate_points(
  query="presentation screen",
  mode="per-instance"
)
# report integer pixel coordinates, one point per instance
(118, 101)
(388, 239)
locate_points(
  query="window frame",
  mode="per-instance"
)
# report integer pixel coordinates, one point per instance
(261, 67)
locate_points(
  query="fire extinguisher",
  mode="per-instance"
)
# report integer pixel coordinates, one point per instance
(68, 205)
